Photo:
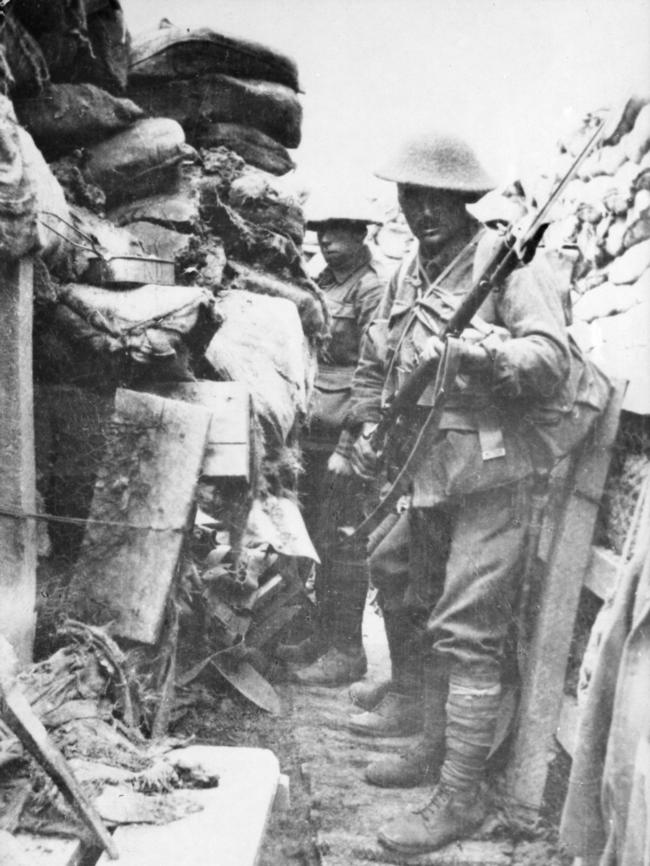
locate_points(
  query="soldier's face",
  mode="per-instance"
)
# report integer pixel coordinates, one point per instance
(435, 216)
(341, 243)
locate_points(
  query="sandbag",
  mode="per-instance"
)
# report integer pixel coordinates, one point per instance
(261, 345)
(306, 296)
(255, 195)
(629, 267)
(52, 208)
(260, 203)
(248, 243)
(609, 299)
(24, 58)
(95, 51)
(102, 333)
(78, 191)
(67, 116)
(271, 108)
(176, 208)
(140, 161)
(176, 52)
(126, 314)
(44, 16)
(255, 147)
(18, 189)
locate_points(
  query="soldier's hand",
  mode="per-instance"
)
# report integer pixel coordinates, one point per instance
(339, 465)
(364, 458)
(433, 348)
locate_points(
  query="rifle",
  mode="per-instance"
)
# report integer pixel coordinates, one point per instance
(515, 247)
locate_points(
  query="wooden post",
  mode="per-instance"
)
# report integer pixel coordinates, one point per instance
(543, 685)
(17, 468)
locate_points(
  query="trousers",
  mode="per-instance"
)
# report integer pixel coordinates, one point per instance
(452, 572)
(342, 578)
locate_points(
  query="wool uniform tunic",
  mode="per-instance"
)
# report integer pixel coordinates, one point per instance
(535, 397)
(352, 304)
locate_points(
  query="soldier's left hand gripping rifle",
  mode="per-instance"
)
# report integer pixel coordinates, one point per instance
(515, 247)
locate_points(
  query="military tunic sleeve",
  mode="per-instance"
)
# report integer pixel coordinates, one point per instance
(368, 379)
(535, 361)
(367, 299)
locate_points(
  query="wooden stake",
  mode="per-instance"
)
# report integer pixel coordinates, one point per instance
(17, 535)
(570, 554)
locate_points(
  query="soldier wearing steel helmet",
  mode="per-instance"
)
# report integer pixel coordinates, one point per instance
(447, 570)
(353, 282)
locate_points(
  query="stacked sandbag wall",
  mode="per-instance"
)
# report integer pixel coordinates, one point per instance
(166, 145)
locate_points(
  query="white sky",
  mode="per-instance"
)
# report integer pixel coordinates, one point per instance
(507, 74)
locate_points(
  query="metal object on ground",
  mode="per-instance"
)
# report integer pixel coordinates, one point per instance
(252, 685)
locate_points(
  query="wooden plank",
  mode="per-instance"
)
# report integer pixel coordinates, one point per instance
(543, 683)
(227, 454)
(230, 829)
(17, 465)
(601, 572)
(143, 500)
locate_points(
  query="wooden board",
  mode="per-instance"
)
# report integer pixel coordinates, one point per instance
(228, 453)
(570, 553)
(145, 490)
(17, 464)
(230, 829)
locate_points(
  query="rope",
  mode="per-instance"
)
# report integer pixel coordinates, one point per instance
(19, 514)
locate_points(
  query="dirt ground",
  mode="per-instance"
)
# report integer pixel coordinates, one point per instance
(334, 815)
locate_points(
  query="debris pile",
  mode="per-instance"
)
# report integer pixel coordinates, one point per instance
(77, 712)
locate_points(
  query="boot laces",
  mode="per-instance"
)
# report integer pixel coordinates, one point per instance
(441, 795)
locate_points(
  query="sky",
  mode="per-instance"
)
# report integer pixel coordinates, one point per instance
(509, 75)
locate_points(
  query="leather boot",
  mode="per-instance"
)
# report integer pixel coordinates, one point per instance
(333, 668)
(368, 694)
(448, 816)
(420, 763)
(457, 807)
(396, 715)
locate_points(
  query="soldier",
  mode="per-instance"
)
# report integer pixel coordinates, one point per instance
(447, 571)
(353, 282)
